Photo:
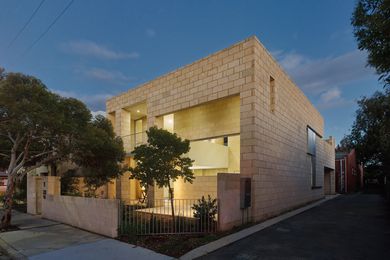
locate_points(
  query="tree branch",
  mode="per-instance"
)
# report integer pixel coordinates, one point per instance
(4, 155)
(3, 120)
(41, 163)
(10, 137)
(19, 157)
(41, 154)
(20, 164)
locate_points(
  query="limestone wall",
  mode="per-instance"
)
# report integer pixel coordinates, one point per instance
(201, 186)
(276, 156)
(272, 124)
(220, 75)
(34, 194)
(95, 215)
(218, 118)
(230, 214)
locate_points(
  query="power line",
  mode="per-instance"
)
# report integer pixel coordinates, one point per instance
(25, 25)
(49, 27)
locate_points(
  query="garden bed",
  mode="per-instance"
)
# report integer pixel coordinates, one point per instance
(178, 244)
(171, 245)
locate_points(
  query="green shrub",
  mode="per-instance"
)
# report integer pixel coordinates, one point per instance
(69, 185)
(205, 212)
(20, 195)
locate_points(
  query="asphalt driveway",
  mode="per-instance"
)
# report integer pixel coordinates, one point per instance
(349, 227)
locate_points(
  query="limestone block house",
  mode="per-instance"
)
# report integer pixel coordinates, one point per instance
(245, 118)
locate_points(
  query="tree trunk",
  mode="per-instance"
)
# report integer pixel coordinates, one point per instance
(8, 203)
(172, 207)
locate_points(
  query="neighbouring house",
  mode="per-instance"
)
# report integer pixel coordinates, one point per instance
(256, 140)
(349, 173)
(3, 181)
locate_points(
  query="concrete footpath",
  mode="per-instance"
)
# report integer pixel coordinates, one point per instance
(44, 239)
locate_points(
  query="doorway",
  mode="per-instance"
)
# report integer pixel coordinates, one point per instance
(327, 181)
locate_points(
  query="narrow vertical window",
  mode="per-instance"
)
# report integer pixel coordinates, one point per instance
(311, 151)
(313, 171)
(225, 141)
(311, 142)
(272, 96)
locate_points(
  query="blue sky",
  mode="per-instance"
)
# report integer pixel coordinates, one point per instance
(101, 48)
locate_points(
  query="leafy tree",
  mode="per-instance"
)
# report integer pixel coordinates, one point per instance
(145, 170)
(69, 184)
(371, 21)
(38, 128)
(370, 134)
(99, 153)
(346, 144)
(161, 161)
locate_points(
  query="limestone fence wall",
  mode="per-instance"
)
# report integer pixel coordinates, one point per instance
(229, 212)
(96, 215)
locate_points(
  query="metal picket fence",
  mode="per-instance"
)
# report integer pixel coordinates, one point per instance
(154, 217)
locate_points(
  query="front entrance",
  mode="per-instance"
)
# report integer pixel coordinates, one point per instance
(328, 181)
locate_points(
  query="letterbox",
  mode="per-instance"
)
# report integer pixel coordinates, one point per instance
(245, 193)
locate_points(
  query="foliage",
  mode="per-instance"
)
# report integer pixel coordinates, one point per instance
(370, 134)
(20, 196)
(346, 144)
(205, 211)
(69, 184)
(38, 127)
(374, 172)
(145, 168)
(168, 151)
(371, 22)
(21, 190)
(99, 153)
(162, 160)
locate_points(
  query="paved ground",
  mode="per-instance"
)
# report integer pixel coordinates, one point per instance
(41, 239)
(348, 227)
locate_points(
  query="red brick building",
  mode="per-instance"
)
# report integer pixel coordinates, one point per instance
(349, 173)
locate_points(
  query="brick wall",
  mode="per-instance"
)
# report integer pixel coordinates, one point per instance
(273, 142)
(219, 75)
(230, 214)
(96, 215)
(32, 194)
(277, 156)
(218, 118)
(201, 186)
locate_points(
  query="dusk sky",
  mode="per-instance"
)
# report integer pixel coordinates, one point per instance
(98, 49)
